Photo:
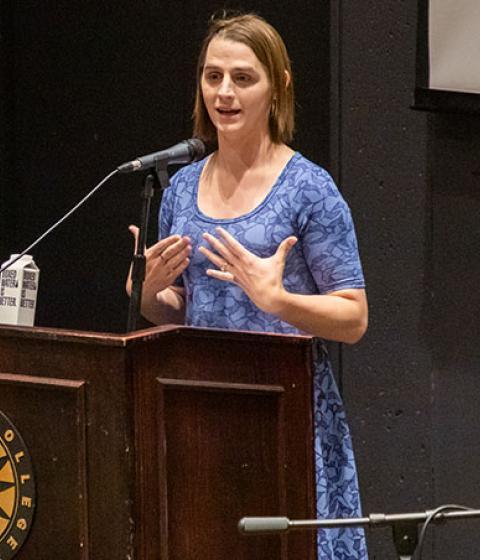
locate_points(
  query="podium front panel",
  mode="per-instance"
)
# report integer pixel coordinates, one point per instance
(152, 445)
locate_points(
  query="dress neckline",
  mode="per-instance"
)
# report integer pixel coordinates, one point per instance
(252, 212)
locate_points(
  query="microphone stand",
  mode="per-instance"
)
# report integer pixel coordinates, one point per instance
(156, 177)
(404, 525)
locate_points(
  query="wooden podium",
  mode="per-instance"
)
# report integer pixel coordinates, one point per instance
(152, 445)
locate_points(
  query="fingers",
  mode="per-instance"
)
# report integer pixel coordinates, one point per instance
(285, 247)
(219, 275)
(225, 260)
(225, 273)
(167, 265)
(173, 260)
(175, 242)
(226, 252)
(169, 251)
(233, 245)
(168, 246)
(134, 231)
(165, 260)
(171, 273)
(217, 260)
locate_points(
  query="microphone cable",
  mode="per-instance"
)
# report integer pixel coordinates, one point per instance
(428, 521)
(59, 222)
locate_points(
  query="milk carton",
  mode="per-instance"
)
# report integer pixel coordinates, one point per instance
(18, 292)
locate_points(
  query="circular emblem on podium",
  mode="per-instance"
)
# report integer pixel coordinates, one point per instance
(17, 490)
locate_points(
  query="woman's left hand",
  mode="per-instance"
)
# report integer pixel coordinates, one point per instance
(260, 278)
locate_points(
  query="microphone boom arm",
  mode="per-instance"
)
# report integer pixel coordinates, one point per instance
(404, 525)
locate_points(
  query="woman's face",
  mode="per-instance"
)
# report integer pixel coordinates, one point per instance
(236, 90)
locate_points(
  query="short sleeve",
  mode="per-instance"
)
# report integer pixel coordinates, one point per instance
(165, 218)
(327, 236)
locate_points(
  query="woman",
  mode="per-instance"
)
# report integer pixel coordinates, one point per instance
(256, 237)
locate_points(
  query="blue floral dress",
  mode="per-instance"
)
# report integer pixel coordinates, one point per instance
(303, 202)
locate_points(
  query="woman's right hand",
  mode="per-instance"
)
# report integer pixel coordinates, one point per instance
(165, 262)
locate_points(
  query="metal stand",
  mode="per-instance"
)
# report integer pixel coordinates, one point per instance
(404, 525)
(158, 178)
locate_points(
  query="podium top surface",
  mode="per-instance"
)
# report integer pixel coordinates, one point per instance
(127, 339)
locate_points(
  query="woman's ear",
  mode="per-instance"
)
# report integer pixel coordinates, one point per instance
(288, 78)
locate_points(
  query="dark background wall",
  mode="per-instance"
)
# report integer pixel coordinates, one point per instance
(86, 86)
(89, 86)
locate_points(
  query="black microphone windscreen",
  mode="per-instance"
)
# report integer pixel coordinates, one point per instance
(198, 148)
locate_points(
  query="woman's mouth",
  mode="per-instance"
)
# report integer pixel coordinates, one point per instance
(228, 112)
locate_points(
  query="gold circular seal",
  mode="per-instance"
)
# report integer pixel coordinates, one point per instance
(17, 490)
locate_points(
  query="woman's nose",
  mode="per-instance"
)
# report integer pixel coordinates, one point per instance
(226, 86)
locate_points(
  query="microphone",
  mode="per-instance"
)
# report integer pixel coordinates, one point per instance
(183, 152)
(263, 524)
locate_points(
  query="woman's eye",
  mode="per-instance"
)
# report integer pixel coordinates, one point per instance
(243, 78)
(213, 76)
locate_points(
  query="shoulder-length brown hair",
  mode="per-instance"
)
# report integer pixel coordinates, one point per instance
(269, 48)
